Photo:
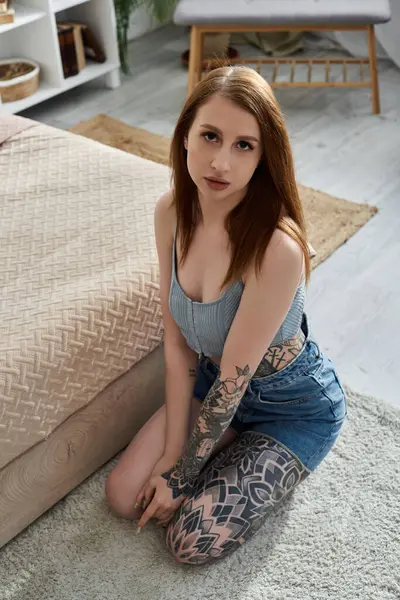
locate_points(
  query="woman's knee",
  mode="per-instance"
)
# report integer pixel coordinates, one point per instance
(118, 497)
(175, 545)
(186, 546)
(189, 556)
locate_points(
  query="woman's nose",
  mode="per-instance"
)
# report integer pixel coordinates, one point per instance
(222, 160)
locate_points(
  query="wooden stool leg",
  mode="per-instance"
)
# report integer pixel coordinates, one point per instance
(196, 44)
(373, 70)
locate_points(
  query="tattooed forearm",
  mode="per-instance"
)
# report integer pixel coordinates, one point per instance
(214, 418)
(279, 356)
(192, 373)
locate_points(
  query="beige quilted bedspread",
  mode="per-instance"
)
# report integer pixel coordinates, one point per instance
(79, 294)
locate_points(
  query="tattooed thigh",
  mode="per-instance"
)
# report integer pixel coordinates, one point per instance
(231, 498)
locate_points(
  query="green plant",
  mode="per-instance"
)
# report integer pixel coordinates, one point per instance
(160, 9)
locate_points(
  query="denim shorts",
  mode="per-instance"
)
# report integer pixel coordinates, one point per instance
(302, 406)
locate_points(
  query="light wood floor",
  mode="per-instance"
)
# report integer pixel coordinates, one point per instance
(339, 147)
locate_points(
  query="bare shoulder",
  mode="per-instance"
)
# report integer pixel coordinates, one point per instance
(165, 208)
(165, 216)
(311, 250)
(283, 256)
(283, 243)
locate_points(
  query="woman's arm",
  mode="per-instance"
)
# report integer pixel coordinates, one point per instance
(215, 415)
(180, 377)
(180, 360)
(263, 307)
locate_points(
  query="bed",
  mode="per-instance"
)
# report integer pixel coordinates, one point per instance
(81, 360)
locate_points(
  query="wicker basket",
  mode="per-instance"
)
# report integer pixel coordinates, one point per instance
(19, 87)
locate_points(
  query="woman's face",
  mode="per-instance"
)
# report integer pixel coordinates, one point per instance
(224, 147)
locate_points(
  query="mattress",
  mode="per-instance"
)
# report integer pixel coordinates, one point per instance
(92, 436)
(79, 286)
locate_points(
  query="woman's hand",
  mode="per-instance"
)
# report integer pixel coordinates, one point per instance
(148, 492)
(165, 463)
(162, 505)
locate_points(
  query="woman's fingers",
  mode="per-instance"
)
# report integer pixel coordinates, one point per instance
(141, 501)
(144, 496)
(165, 522)
(165, 516)
(148, 494)
(159, 512)
(139, 498)
(148, 514)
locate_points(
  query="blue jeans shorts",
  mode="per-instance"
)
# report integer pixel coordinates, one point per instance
(302, 406)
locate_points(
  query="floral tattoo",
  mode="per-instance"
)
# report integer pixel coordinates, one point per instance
(215, 415)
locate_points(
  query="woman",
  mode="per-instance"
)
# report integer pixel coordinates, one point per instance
(252, 405)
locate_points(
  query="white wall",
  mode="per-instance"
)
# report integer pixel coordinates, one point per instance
(141, 22)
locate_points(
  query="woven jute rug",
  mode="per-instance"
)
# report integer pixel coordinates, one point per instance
(330, 221)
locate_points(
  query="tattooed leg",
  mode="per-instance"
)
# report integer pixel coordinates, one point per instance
(231, 498)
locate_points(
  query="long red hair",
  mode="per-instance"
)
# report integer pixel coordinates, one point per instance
(272, 187)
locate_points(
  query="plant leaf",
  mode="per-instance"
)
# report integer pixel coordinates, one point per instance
(162, 9)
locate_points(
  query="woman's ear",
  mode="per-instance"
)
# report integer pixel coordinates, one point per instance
(185, 142)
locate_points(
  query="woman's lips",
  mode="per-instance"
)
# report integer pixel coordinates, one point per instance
(214, 184)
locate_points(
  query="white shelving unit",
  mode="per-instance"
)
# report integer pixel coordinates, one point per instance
(34, 35)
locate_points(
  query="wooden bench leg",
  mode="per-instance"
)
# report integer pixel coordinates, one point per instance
(195, 57)
(373, 69)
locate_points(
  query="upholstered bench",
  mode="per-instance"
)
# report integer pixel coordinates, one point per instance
(206, 16)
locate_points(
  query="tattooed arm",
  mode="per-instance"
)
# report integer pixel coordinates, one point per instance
(263, 307)
(215, 415)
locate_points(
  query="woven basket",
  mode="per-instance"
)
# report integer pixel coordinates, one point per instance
(19, 87)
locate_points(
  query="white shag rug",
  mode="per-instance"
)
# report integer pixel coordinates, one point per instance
(336, 537)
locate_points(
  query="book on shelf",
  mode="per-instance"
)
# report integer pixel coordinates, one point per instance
(93, 50)
(85, 46)
(68, 52)
(78, 41)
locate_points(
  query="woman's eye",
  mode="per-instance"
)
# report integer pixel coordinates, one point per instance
(245, 145)
(210, 136)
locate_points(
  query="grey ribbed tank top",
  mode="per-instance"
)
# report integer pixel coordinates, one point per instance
(205, 325)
